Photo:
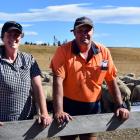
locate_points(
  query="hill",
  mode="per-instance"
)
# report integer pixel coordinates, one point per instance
(127, 60)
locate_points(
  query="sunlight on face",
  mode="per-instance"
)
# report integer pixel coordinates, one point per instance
(12, 38)
(83, 35)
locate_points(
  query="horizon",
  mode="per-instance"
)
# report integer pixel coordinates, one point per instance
(116, 23)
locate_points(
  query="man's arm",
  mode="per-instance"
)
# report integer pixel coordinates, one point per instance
(59, 113)
(116, 94)
(41, 101)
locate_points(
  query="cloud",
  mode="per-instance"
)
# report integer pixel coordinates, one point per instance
(1, 26)
(101, 35)
(27, 25)
(30, 33)
(39, 42)
(23, 25)
(107, 14)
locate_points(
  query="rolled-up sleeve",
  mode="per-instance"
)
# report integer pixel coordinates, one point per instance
(58, 63)
(35, 70)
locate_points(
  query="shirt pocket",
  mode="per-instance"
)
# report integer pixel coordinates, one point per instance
(98, 74)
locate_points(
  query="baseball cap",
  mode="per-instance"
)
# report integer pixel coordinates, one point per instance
(82, 21)
(11, 25)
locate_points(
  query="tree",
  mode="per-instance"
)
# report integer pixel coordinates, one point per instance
(59, 43)
(55, 41)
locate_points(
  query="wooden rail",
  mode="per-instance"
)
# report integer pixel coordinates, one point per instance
(30, 129)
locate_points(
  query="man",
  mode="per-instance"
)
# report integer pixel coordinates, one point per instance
(18, 72)
(79, 68)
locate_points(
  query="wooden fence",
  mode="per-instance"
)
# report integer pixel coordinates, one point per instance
(30, 129)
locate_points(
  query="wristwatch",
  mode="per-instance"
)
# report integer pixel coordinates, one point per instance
(123, 105)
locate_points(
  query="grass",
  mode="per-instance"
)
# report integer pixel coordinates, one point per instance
(42, 54)
(127, 60)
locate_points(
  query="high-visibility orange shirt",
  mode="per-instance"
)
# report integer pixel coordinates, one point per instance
(82, 79)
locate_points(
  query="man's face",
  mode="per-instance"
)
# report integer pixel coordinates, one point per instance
(12, 38)
(83, 35)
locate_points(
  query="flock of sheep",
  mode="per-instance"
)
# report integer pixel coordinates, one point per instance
(128, 84)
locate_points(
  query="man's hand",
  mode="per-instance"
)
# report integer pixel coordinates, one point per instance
(62, 117)
(45, 120)
(122, 113)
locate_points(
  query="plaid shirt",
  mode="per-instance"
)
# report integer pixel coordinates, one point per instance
(15, 85)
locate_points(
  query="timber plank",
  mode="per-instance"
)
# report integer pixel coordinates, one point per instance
(30, 129)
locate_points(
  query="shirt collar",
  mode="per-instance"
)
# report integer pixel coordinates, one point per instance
(17, 60)
(76, 50)
(2, 51)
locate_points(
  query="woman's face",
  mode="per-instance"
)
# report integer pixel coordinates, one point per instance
(12, 39)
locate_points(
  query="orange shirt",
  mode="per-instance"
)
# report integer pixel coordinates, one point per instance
(82, 79)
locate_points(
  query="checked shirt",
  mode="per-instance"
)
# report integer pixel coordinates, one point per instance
(15, 85)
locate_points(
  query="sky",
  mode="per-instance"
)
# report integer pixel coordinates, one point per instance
(116, 22)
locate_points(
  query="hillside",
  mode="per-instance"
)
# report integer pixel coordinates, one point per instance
(127, 60)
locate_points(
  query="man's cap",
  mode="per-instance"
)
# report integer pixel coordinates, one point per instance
(82, 21)
(11, 25)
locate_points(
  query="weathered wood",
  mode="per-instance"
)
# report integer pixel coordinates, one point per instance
(30, 129)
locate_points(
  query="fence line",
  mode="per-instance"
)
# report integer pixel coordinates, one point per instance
(30, 129)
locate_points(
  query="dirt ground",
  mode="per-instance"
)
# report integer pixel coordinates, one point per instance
(125, 134)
